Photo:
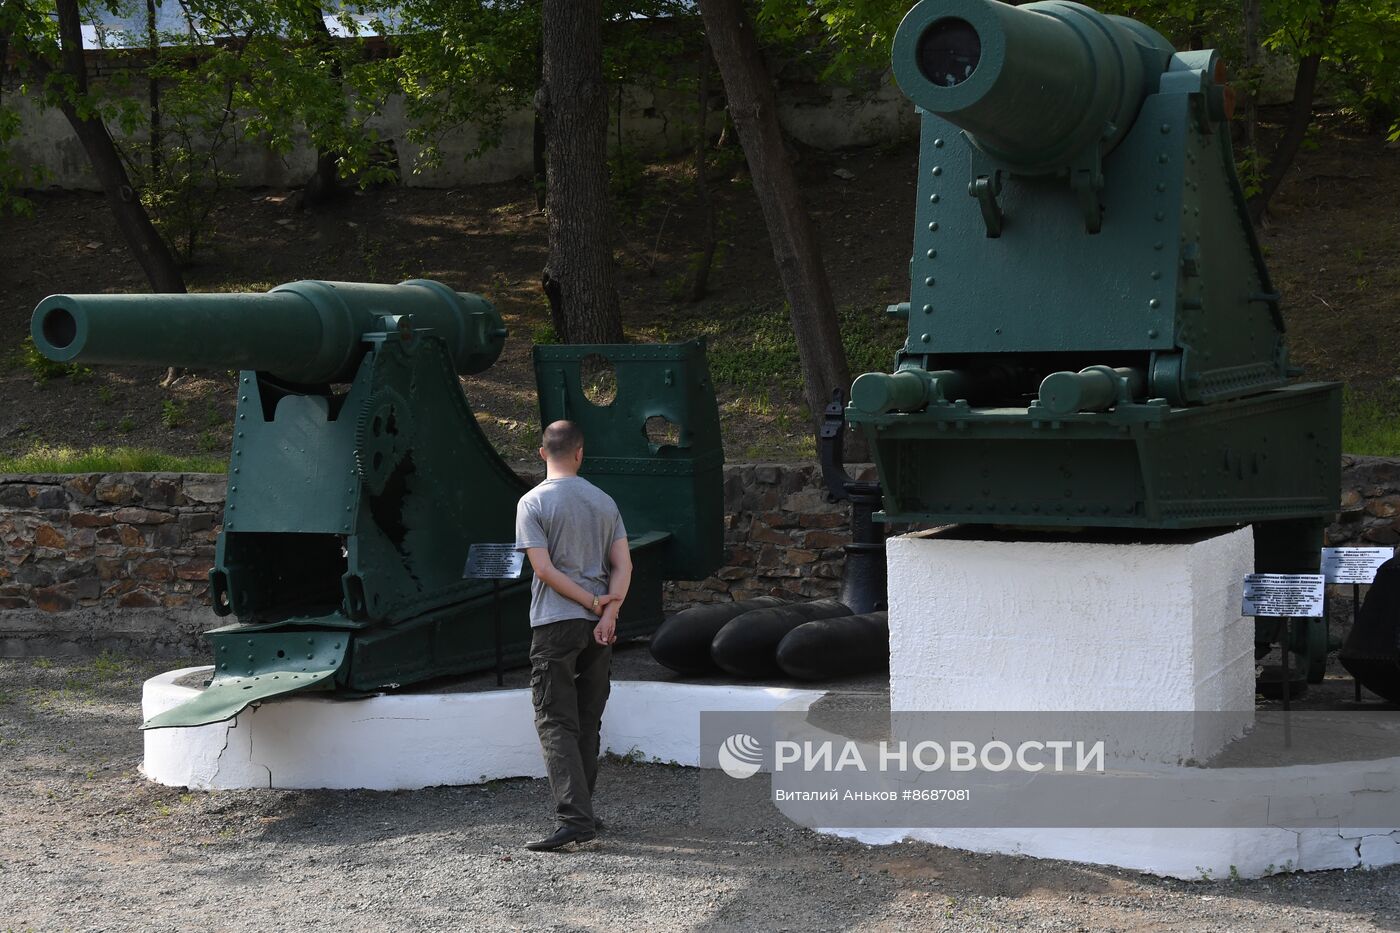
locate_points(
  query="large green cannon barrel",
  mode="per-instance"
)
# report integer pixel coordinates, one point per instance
(303, 332)
(1032, 85)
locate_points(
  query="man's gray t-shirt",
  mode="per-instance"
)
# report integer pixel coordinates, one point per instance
(577, 523)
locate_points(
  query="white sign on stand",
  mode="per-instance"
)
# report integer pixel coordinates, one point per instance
(1354, 564)
(1290, 595)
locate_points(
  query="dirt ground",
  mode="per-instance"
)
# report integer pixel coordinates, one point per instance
(1333, 243)
(86, 843)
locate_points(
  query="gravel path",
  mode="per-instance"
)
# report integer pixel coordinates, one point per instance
(87, 844)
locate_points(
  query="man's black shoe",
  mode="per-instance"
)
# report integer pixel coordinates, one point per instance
(562, 837)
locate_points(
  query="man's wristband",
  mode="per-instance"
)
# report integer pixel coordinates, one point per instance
(595, 605)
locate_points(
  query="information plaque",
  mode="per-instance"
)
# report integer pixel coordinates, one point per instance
(1292, 595)
(494, 562)
(1354, 564)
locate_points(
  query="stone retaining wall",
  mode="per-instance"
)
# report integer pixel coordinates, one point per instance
(1369, 512)
(782, 536)
(120, 561)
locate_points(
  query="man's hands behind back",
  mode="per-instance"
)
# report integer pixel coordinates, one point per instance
(605, 632)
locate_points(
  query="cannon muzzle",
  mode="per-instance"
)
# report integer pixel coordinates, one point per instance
(1033, 85)
(304, 332)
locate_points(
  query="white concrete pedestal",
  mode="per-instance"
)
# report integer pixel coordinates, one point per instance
(1066, 626)
(418, 740)
(403, 741)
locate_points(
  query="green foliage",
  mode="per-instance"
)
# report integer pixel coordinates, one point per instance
(30, 30)
(1187, 24)
(473, 63)
(626, 171)
(1371, 423)
(1356, 41)
(844, 37)
(106, 460)
(543, 333)
(293, 77)
(1250, 168)
(466, 63)
(265, 70)
(172, 413)
(180, 184)
(14, 177)
(42, 369)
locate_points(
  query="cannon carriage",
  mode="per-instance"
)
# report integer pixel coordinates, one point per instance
(359, 479)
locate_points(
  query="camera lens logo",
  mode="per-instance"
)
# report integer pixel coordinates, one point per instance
(741, 756)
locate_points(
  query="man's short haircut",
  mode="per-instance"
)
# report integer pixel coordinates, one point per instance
(561, 438)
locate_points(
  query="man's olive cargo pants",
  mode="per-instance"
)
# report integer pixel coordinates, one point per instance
(569, 684)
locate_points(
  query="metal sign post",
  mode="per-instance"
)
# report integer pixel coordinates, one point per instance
(1354, 565)
(1286, 596)
(495, 562)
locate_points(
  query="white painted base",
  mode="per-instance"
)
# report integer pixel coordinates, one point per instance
(411, 740)
(408, 741)
(1069, 626)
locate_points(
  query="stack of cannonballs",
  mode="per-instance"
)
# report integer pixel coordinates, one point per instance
(767, 637)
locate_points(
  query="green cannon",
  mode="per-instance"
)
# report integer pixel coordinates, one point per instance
(359, 479)
(304, 333)
(1093, 337)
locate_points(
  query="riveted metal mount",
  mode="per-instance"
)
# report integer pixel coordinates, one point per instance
(986, 189)
(1086, 178)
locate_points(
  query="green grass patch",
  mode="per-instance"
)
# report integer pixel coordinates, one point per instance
(107, 460)
(753, 350)
(872, 339)
(1371, 423)
(236, 286)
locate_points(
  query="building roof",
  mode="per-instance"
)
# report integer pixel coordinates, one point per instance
(128, 28)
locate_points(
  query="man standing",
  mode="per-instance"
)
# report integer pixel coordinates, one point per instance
(573, 535)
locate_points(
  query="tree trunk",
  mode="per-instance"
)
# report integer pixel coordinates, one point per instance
(146, 244)
(1299, 119)
(700, 282)
(323, 187)
(753, 107)
(1300, 116)
(575, 106)
(1252, 79)
(541, 171)
(153, 85)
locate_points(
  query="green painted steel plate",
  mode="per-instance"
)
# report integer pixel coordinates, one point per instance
(250, 667)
